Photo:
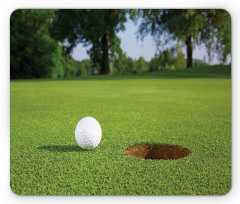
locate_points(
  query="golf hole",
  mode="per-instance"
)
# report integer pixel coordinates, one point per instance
(158, 152)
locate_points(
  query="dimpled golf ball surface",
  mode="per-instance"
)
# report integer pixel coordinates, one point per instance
(88, 133)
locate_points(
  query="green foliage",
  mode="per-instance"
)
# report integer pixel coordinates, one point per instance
(33, 52)
(180, 61)
(123, 65)
(209, 26)
(188, 107)
(154, 64)
(74, 68)
(90, 27)
(168, 59)
(69, 66)
(217, 34)
(198, 63)
(142, 65)
(126, 65)
(86, 68)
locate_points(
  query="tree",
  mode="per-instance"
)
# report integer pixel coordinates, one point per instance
(211, 27)
(168, 59)
(154, 64)
(33, 52)
(74, 68)
(142, 65)
(95, 27)
(180, 61)
(124, 64)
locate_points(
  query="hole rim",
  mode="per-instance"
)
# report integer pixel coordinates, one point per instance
(153, 145)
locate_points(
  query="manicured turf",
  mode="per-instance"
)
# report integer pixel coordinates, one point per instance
(188, 108)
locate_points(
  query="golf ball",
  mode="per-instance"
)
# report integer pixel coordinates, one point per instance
(88, 133)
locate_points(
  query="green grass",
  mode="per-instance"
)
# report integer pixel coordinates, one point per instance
(189, 108)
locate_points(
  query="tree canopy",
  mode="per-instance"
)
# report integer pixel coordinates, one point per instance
(211, 27)
(33, 52)
(95, 27)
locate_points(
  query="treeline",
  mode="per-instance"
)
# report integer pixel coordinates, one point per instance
(42, 40)
(169, 59)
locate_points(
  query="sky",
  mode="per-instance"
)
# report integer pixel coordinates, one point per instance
(137, 48)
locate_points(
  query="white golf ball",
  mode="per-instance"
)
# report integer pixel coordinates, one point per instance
(88, 133)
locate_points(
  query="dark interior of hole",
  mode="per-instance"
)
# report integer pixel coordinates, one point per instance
(158, 152)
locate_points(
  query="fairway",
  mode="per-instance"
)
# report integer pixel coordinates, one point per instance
(187, 108)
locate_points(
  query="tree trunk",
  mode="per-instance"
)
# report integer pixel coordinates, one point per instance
(105, 66)
(189, 51)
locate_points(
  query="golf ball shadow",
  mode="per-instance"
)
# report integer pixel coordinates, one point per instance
(61, 148)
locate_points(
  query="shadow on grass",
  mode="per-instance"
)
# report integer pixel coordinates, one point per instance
(61, 148)
(218, 71)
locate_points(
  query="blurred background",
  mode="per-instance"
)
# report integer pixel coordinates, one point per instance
(47, 43)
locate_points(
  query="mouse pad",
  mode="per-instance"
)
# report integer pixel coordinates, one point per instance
(120, 102)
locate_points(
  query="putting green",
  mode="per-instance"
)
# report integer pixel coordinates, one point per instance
(187, 108)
